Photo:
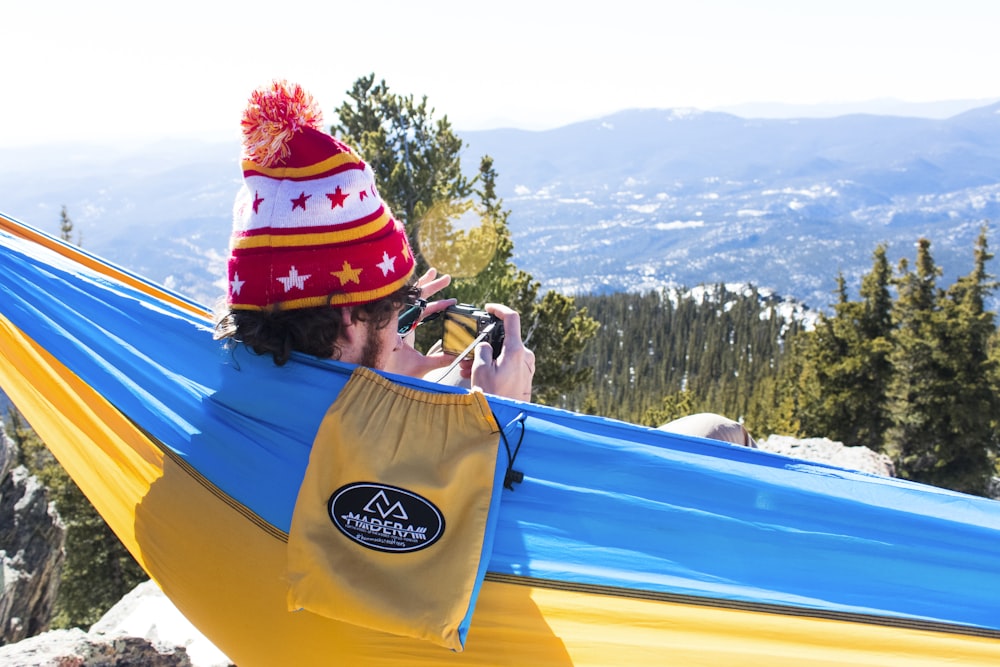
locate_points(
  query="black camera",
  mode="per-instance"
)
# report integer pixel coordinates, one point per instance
(464, 323)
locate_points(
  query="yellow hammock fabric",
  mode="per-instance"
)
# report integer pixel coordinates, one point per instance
(702, 516)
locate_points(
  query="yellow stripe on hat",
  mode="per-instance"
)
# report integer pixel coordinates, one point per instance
(338, 299)
(338, 160)
(314, 238)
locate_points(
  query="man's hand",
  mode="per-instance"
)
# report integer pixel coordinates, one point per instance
(430, 284)
(511, 373)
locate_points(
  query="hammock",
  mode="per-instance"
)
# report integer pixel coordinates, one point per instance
(620, 545)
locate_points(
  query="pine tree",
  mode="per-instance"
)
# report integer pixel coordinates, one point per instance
(993, 363)
(417, 165)
(917, 398)
(66, 227)
(773, 407)
(558, 331)
(416, 159)
(876, 329)
(847, 360)
(969, 433)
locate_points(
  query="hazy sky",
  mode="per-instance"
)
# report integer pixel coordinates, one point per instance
(114, 69)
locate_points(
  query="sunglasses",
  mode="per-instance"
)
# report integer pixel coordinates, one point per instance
(410, 316)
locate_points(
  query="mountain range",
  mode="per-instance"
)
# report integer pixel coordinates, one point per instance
(632, 201)
(646, 198)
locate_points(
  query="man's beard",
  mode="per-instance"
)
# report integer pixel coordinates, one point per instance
(372, 349)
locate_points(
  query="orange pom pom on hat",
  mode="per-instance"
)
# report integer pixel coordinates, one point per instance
(309, 227)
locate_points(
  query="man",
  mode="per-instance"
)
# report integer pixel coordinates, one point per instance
(319, 265)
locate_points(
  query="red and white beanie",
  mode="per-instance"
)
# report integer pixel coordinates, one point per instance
(309, 227)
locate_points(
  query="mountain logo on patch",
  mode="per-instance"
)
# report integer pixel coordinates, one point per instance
(385, 518)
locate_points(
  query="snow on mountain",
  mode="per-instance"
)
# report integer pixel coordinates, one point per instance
(652, 197)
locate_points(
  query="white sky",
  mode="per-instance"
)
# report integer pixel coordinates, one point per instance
(108, 69)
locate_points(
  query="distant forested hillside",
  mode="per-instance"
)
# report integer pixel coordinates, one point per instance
(703, 351)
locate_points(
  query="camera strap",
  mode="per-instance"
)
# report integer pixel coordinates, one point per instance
(487, 330)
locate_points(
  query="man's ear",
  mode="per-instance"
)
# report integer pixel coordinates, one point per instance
(351, 339)
(352, 329)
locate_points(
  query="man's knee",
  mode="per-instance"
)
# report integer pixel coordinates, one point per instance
(713, 426)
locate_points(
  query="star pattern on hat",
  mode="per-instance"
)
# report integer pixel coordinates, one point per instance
(257, 199)
(363, 195)
(337, 198)
(300, 201)
(294, 279)
(348, 274)
(388, 264)
(235, 285)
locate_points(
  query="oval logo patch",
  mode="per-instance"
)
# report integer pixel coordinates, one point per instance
(385, 518)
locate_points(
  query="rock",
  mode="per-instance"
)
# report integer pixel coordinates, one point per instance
(146, 612)
(76, 648)
(144, 628)
(32, 538)
(824, 450)
(7, 451)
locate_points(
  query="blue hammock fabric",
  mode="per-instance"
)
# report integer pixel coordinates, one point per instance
(605, 508)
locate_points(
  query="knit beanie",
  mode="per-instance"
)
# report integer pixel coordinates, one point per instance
(309, 227)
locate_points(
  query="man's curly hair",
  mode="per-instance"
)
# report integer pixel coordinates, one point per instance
(314, 331)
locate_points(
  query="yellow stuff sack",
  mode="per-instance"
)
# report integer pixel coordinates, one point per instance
(390, 530)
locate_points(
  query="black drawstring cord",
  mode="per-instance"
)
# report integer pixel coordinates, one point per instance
(512, 477)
